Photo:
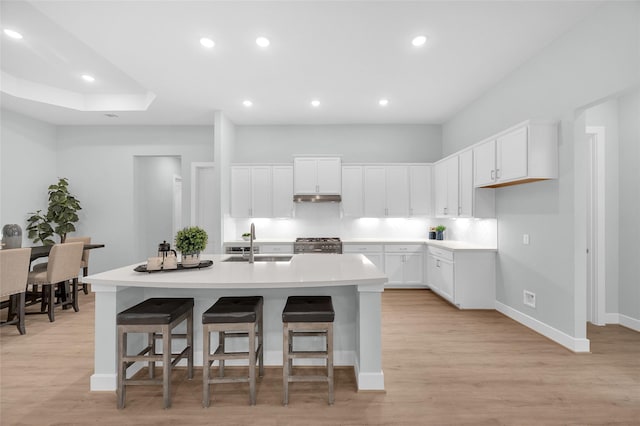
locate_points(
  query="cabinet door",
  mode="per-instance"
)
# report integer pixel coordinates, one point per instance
(465, 164)
(282, 191)
(305, 176)
(393, 267)
(445, 270)
(376, 259)
(240, 191)
(412, 268)
(374, 191)
(484, 163)
(440, 188)
(329, 172)
(420, 190)
(261, 204)
(433, 274)
(512, 155)
(397, 188)
(452, 187)
(352, 191)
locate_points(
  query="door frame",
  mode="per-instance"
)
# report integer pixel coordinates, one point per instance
(596, 249)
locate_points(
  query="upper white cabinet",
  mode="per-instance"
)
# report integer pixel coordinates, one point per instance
(446, 187)
(420, 184)
(352, 191)
(317, 175)
(261, 191)
(397, 190)
(524, 153)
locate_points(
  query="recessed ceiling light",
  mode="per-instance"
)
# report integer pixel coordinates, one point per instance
(88, 78)
(13, 34)
(383, 102)
(315, 103)
(262, 41)
(207, 42)
(419, 41)
(247, 103)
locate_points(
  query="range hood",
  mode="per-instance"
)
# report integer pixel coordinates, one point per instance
(317, 198)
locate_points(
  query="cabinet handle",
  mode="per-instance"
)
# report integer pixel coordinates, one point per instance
(444, 210)
(493, 173)
(497, 173)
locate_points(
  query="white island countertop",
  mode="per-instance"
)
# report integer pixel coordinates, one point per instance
(303, 270)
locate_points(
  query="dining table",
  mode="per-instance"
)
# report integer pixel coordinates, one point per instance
(43, 251)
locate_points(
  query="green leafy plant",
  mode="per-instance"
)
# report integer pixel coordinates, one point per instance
(246, 234)
(61, 217)
(191, 240)
(440, 228)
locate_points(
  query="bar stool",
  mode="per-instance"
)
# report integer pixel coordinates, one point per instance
(232, 317)
(157, 317)
(307, 316)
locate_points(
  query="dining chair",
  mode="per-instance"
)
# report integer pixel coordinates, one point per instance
(14, 267)
(84, 265)
(63, 265)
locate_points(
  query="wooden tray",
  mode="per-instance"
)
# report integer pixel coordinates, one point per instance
(203, 264)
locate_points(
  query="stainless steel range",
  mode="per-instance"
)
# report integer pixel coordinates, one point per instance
(317, 245)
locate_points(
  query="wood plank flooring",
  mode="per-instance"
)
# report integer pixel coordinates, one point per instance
(442, 367)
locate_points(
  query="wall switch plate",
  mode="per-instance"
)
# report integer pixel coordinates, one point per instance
(525, 239)
(529, 299)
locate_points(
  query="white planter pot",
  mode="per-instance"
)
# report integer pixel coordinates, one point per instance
(190, 260)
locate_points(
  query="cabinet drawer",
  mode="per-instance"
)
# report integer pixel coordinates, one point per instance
(438, 252)
(403, 248)
(362, 248)
(276, 248)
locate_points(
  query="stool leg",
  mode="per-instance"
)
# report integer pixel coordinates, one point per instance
(252, 364)
(190, 343)
(261, 345)
(85, 272)
(74, 294)
(151, 342)
(206, 365)
(50, 292)
(166, 365)
(285, 364)
(122, 366)
(330, 361)
(221, 341)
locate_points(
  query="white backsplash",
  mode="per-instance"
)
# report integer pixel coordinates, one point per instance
(324, 220)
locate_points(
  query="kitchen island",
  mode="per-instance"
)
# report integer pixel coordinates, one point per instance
(354, 283)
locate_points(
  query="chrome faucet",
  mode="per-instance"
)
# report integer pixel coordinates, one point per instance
(251, 238)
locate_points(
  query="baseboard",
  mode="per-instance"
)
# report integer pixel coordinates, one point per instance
(560, 337)
(610, 318)
(369, 381)
(103, 382)
(629, 322)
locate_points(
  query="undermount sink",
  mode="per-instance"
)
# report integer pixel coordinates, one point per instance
(259, 258)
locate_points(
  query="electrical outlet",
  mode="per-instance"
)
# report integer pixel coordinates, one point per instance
(529, 299)
(525, 239)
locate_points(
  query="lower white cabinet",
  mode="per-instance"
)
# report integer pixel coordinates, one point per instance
(272, 248)
(403, 265)
(466, 278)
(373, 252)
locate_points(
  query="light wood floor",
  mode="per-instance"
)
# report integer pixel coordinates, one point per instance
(442, 366)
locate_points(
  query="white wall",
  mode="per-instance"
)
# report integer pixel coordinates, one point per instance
(629, 223)
(99, 162)
(27, 167)
(356, 143)
(595, 59)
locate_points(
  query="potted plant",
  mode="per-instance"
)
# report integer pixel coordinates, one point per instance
(440, 232)
(246, 236)
(190, 242)
(61, 216)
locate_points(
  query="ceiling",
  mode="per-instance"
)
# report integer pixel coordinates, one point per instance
(151, 69)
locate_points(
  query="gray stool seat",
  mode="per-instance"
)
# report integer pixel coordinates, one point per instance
(233, 310)
(156, 317)
(307, 316)
(155, 311)
(232, 317)
(308, 309)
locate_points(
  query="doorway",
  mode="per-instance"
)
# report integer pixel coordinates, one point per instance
(157, 193)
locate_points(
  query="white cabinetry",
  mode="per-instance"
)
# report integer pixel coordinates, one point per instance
(270, 248)
(317, 175)
(466, 278)
(524, 153)
(251, 191)
(373, 252)
(420, 184)
(403, 265)
(261, 191)
(386, 191)
(446, 187)
(352, 191)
